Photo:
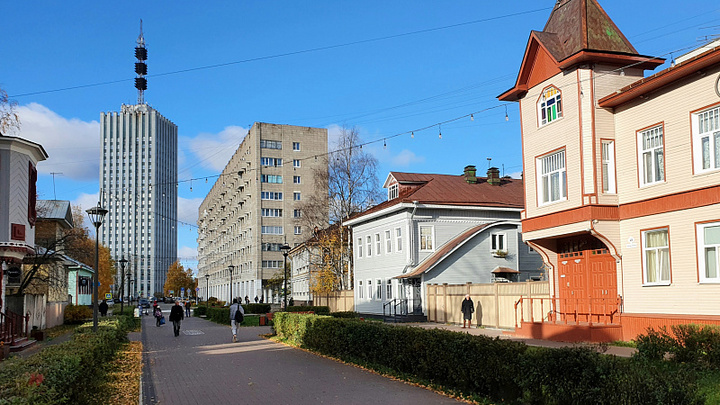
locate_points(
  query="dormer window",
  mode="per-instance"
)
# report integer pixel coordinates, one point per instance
(393, 191)
(549, 105)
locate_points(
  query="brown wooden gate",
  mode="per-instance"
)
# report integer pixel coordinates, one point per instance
(587, 286)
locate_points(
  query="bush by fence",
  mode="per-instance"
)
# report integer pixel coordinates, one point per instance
(256, 308)
(344, 314)
(498, 369)
(65, 373)
(685, 343)
(318, 310)
(76, 314)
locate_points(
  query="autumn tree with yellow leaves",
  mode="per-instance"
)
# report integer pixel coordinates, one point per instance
(177, 279)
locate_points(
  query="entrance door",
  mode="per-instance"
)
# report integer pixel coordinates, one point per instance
(587, 285)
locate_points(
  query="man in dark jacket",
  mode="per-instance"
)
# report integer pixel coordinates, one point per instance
(103, 307)
(176, 316)
(467, 309)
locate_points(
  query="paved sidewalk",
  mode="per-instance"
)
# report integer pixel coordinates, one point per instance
(614, 350)
(202, 366)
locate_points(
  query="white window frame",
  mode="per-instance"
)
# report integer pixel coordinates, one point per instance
(651, 151)
(706, 250)
(378, 243)
(369, 289)
(296, 163)
(388, 290)
(393, 191)
(388, 241)
(296, 146)
(398, 239)
(657, 257)
(423, 240)
(361, 292)
(368, 245)
(378, 289)
(551, 169)
(359, 248)
(298, 230)
(296, 196)
(706, 140)
(498, 241)
(296, 179)
(607, 156)
(550, 97)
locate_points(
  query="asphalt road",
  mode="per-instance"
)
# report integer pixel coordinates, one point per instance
(203, 366)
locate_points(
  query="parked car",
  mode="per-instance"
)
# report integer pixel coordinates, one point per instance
(144, 303)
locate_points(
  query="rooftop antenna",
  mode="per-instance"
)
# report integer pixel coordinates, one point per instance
(54, 194)
(489, 160)
(141, 67)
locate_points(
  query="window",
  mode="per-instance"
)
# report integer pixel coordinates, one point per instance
(296, 179)
(656, 257)
(268, 161)
(388, 242)
(368, 244)
(296, 196)
(296, 162)
(360, 289)
(708, 237)
(426, 238)
(297, 214)
(271, 178)
(608, 167)
(359, 247)
(298, 230)
(498, 242)
(393, 191)
(378, 289)
(272, 230)
(706, 140)
(296, 145)
(269, 195)
(369, 289)
(398, 239)
(651, 159)
(388, 290)
(271, 264)
(272, 212)
(267, 144)
(377, 243)
(552, 178)
(549, 106)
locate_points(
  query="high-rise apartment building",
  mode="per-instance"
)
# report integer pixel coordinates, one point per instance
(138, 172)
(254, 208)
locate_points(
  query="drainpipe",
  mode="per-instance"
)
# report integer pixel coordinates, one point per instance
(412, 235)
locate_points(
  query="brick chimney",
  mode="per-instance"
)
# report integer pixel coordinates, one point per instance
(493, 176)
(469, 173)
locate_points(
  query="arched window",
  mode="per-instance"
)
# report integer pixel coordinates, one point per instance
(549, 106)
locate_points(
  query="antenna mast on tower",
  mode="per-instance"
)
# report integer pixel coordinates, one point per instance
(141, 67)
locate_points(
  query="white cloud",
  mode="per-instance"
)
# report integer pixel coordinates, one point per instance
(73, 145)
(86, 201)
(213, 151)
(515, 175)
(188, 209)
(187, 253)
(406, 158)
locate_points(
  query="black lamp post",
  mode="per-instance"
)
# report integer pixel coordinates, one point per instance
(96, 215)
(285, 248)
(207, 289)
(122, 262)
(231, 268)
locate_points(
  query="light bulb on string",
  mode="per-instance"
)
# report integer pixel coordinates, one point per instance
(439, 131)
(507, 118)
(472, 117)
(384, 144)
(412, 134)
(205, 179)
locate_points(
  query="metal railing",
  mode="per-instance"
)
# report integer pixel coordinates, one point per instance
(390, 308)
(567, 310)
(13, 327)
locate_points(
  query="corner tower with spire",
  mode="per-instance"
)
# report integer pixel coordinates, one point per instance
(138, 186)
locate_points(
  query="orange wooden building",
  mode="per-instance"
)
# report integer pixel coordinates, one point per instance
(622, 180)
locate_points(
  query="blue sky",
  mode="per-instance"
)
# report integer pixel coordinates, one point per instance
(386, 67)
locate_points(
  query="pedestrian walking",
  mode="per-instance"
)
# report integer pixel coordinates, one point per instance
(247, 300)
(103, 308)
(235, 319)
(256, 299)
(157, 313)
(176, 316)
(467, 309)
(187, 308)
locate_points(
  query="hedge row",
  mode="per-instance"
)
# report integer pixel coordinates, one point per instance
(685, 343)
(318, 310)
(483, 367)
(64, 373)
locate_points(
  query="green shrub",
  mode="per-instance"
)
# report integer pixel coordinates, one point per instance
(317, 310)
(256, 308)
(685, 343)
(344, 314)
(200, 310)
(65, 373)
(77, 314)
(492, 368)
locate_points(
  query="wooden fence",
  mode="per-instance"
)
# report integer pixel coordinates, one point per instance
(337, 301)
(494, 303)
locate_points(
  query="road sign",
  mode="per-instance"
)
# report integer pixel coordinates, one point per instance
(197, 288)
(182, 289)
(108, 296)
(171, 292)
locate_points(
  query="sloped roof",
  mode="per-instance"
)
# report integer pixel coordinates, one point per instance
(57, 210)
(445, 189)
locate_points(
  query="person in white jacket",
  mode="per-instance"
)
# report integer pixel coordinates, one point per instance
(233, 324)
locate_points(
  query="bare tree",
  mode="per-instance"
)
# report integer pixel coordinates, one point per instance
(9, 120)
(350, 177)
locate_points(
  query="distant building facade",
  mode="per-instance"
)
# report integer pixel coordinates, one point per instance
(138, 172)
(253, 209)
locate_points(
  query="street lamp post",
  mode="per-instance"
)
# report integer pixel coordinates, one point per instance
(122, 262)
(231, 268)
(131, 281)
(285, 248)
(207, 289)
(96, 215)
